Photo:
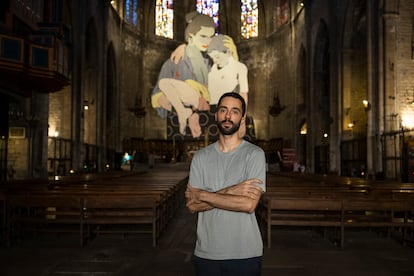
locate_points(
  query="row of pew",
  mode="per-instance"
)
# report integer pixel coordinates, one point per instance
(93, 204)
(336, 203)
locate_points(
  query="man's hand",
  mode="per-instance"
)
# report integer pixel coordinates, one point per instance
(246, 188)
(194, 204)
(192, 195)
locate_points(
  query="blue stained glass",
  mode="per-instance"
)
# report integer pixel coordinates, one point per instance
(131, 11)
(210, 8)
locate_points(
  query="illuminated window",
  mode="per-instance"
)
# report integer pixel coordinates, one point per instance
(164, 18)
(283, 12)
(249, 19)
(131, 12)
(210, 8)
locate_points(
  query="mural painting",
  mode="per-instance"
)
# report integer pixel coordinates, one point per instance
(191, 82)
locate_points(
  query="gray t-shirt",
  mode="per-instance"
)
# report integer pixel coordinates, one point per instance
(222, 234)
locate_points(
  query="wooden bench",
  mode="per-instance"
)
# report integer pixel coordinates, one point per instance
(374, 213)
(54, 213)
(168, 193)
(103, 212)
(51, 213)
(335, 212)
(146, 202)
(316, 212)
(3, 214)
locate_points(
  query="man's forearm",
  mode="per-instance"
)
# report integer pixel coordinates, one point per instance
(242, 197)
(198, 207)
(229, 202)
(204, 206)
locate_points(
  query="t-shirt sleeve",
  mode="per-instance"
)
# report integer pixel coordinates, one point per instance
(195, 176)
(257, 167)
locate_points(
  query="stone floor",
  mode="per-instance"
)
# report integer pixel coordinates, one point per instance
(294, 252)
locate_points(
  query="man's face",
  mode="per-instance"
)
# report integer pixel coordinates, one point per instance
(229, 115)
(219, 58)
(202, 38)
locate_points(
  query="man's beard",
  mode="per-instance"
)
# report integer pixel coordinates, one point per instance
(228, 131)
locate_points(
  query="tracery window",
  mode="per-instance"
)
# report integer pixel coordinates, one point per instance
(29, 11)
(131, 11)
(210, 8)
(249, 19)
(283, 12)
(164, 18)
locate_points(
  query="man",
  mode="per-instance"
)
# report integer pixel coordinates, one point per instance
(227, 179)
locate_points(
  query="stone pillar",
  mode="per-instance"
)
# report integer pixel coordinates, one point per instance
(370, 92)
(390, 117)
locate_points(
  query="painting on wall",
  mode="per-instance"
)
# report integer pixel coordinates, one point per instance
(194, 78)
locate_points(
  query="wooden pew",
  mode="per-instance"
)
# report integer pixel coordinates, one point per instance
(51, 213)
(343, 213)
(54, 213)
(375, 213)
(3, 214)
(315, 212)
(102, 212)
(164, 191)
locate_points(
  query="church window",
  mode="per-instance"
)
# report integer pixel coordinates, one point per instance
(131, 11)
(210, 8)
(249, 19)
(283, 12)
(164, 18)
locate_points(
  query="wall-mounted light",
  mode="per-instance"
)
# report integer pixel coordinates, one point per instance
(302, 3)
(366, 104)
(86, 104)
(276, 108)
(351, 124)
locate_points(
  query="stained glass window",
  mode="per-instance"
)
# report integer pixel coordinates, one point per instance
(249, 19)
(283, 12)
(164, 18)
(131, 11)
(210, 8)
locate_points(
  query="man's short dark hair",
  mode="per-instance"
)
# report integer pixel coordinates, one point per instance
(235, 96)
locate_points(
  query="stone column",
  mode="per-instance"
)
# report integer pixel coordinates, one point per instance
(390, 109)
